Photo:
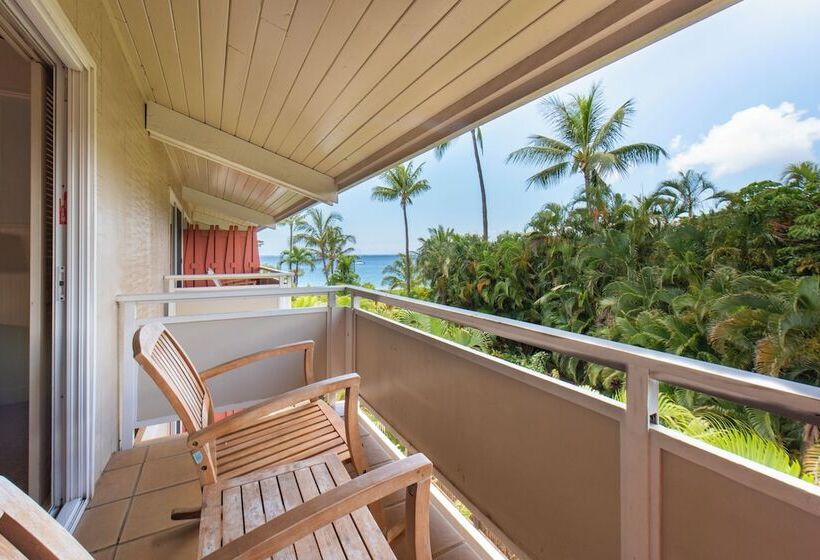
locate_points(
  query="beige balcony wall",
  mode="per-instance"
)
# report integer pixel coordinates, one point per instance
(133, 178)
(712, 516)
(540, 459)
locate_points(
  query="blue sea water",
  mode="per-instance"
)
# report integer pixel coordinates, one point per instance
(369, 268)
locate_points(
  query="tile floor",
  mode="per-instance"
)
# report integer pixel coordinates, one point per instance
(130, 514)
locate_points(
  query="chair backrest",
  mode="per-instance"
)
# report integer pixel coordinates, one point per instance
(28, 531)
(162, 357)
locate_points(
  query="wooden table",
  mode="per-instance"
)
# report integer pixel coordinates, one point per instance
(236, 506)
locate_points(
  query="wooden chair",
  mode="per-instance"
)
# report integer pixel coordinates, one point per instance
(28, 531)
(311, 509)
(326, 515)
(288, 427)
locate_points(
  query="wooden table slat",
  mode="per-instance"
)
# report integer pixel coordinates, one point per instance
(232, 524)
(272, 503)
(326, 536)
(306, 547)
(345, 528)
(367, 526)
(235, 506)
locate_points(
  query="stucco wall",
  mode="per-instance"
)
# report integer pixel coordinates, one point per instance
(133, 178)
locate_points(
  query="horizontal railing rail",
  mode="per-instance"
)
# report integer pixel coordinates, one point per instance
(282, 277)
(227, 276)
(228, 292)
(780, 396)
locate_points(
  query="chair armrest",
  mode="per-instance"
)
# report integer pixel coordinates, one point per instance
(306, 345)
(251, 415)
(414, 473)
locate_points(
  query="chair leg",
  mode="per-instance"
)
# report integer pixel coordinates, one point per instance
(377, 509)
(182, 514)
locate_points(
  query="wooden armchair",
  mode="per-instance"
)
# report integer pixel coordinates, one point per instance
(288, 427)
(28, 531)
(311, 509)
(329, 518)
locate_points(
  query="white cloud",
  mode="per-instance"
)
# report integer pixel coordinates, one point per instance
(676, 143)
(755, 136)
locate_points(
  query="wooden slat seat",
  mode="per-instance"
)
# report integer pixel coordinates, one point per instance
(288, 436)
(311, 509)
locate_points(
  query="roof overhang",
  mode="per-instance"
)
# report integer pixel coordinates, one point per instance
(274, 106)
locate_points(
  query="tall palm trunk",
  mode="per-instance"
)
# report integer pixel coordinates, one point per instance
(290, 246)
(407, 272)
(296, 275)
(480, 184)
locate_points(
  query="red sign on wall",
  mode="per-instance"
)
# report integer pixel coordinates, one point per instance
(62, 217)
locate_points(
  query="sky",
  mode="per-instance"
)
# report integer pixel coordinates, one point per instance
(736, 96)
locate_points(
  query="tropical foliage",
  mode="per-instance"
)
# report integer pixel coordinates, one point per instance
(737, 285)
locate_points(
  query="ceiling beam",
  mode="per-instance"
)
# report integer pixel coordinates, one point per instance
(170, 127)
(200, 201)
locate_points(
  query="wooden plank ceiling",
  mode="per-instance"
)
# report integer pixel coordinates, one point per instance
(350, 87)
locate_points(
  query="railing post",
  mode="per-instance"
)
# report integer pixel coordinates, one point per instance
(127, 324)
(331, 305)
(350, 334)
(171, 307)
(636, 499)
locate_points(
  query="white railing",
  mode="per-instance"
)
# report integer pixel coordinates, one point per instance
(642, 442)
(283, 278)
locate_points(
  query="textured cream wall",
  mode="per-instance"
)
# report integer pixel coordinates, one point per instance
(133, 178)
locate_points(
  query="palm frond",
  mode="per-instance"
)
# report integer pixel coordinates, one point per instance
(549, 176)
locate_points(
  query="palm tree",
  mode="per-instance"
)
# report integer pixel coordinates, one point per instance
(339, 245)
(478, 146)
(323, 235)
(402, 183)
(686, 191)
(296, 258)
(587, 143)
(293, 222)
(801, 174)
(398, 273)
(345, 272)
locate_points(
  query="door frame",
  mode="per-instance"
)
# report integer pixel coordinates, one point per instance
(43, 28)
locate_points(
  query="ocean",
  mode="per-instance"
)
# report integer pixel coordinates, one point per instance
(369, 268)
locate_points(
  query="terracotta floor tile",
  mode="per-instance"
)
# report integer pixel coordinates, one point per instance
(126, 458)
(165, 472)
(115, 485)
(106, 554)
(100, 526)
(179, 543)
(166, 447)
(151, 512)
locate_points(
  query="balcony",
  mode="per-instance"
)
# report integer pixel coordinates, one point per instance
(546, 469)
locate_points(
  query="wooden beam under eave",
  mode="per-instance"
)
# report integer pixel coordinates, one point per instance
(200, 201)
(185, 133)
